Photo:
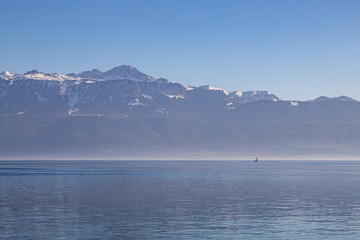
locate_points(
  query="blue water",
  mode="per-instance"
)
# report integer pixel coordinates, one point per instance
(179, 200)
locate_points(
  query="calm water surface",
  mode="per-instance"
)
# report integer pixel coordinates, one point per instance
(179, 200)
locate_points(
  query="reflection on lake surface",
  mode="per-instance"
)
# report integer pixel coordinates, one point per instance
(179, 200)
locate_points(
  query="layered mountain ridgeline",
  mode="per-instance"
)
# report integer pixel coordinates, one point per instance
(123, 113)
(122, 92)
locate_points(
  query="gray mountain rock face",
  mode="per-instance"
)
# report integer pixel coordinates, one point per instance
(126, 111)
(123, 72)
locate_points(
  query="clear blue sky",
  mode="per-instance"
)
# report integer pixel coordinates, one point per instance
(294, 49)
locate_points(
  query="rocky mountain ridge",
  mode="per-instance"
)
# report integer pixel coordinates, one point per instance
(92, 92)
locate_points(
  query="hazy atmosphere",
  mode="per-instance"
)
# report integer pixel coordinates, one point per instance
(180, 119)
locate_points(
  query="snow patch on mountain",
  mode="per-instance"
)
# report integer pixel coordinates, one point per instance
(237, 94)
(147, 97)
(174, 96)
(211, 88)
(162, 111)
(89, 81)
(188, 87)
(136, 102)
(72, 111)
(230, 105)
(252, 96)
(20, 113)
(294, 104)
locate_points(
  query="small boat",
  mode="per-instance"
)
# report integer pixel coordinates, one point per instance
(256, 159)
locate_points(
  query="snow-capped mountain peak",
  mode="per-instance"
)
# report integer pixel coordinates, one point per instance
(251, 96)
(6, 75)
(237, 94)
(123, 72)
(36, 75)
(211, 88)
(189, 87)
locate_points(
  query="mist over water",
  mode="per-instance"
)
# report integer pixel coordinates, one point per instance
(179, 200)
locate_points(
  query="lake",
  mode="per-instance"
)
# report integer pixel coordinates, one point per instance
(179, 200)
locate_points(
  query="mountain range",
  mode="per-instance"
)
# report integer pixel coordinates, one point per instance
(123, 113)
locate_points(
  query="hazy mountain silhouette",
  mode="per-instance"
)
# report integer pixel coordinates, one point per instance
(124, 113)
